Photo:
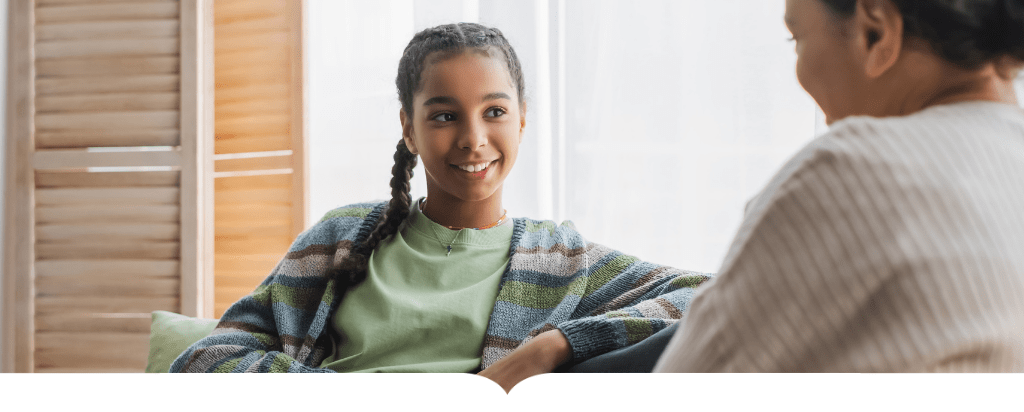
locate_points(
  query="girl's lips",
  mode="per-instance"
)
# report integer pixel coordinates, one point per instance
(476, 175)
(475, 167)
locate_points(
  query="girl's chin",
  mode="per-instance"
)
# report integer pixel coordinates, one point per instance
(475, 194)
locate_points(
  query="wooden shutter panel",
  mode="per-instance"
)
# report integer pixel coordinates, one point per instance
(261, 180)
(109, 175)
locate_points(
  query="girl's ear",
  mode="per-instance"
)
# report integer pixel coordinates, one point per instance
(522, 122)
(407, 132)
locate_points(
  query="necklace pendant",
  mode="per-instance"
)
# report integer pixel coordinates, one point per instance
(449, 250)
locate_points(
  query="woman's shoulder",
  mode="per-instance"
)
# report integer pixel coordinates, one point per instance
(938, 145)
(944, 153)
(955, 126)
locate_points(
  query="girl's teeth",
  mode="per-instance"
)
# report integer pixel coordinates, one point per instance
(474, 168)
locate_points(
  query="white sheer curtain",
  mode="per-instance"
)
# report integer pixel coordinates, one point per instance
(650, 123)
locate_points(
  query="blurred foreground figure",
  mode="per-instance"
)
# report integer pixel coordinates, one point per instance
(895, 242)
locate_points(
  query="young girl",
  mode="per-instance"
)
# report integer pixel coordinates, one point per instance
(447, 283)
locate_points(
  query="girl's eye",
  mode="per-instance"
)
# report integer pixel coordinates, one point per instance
(443, 117)
(495, 112)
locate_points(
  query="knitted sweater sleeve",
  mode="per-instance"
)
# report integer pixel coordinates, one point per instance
(247, 338)
(281, 326)
(625, 300)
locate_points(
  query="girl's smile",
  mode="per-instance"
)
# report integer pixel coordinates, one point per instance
(477, 170)
(466, 127)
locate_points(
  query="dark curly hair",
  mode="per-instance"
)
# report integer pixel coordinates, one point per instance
(448, 39)
(452, 38)
(968, 33)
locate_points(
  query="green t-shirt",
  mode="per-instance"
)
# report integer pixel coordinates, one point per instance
(420, 309)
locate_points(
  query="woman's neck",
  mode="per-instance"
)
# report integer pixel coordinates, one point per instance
(988, 88)
(452, 212)
(942, 83)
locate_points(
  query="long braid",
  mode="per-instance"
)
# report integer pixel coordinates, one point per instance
(401, 199)
(352, 270)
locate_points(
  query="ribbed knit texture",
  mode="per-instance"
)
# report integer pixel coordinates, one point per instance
(886, 245)
(600, 298)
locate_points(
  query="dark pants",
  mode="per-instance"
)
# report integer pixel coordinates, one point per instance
(636, 358)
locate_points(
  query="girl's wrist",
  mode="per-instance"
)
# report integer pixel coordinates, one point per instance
(556, 348)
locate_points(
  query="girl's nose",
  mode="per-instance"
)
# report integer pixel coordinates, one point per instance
(474, 136)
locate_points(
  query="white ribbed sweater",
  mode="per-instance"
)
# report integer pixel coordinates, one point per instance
(887, 244)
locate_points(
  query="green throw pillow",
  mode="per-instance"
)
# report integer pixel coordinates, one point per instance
(170, 334)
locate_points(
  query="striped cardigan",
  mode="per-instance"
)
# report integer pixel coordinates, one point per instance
(599, 298)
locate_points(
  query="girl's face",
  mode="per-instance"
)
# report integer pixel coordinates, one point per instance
(466, 126)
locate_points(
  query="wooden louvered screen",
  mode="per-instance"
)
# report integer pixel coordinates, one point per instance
(109, 178)
(260, 169)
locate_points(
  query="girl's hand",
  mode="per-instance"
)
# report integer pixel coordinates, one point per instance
(542, 354)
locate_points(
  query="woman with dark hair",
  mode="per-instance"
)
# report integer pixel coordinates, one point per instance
(894, 242)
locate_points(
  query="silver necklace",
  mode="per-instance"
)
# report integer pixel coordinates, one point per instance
(449, 247)
(453, 242)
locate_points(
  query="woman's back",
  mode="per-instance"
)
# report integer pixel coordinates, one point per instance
(888, 244)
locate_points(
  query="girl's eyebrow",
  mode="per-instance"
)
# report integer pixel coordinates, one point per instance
(450, 100)
(439, 100)
(497, 95)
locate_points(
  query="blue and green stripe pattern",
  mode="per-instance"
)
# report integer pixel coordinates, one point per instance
(599, 298)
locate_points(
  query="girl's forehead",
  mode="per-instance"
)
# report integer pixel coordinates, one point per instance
(466, 70)
(442, 55)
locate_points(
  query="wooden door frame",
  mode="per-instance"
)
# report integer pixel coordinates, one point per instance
(299, 131)
(19, 191)
(197, 140)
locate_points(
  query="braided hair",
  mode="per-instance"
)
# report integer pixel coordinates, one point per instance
(448, 40)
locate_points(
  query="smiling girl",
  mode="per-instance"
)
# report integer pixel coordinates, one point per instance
(446, 283)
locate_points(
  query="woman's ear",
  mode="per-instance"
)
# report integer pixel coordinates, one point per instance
(407, 132)
(879, 35)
